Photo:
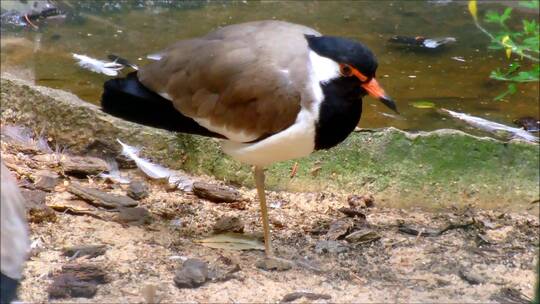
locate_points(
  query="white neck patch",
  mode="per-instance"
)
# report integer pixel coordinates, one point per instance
(324, 69)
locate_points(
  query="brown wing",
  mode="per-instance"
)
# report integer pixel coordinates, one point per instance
(247, 77)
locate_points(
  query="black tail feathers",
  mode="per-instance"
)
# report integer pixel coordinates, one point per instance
(129, 99)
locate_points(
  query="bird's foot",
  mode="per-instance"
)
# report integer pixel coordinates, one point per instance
(274, 263)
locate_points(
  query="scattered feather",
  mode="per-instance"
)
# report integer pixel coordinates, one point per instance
(176, 222)
(459, 58)
(59, 152)
(37, 243)
(275, 204)
(43, 145)
(182, 181)
(114, 173)
(152, 170)
(155, 57)
(98, 66)
(393, 116)
(178, 257)
(433, 43)
(122, 61)
(422, 42)
(24, 136)
(20, 135)
(492, 127)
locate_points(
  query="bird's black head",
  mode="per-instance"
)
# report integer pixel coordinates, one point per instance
(345, 51)
(355, 60)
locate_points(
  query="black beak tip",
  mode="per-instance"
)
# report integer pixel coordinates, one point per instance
(390, 103)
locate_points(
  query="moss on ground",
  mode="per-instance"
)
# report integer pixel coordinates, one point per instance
(430, 169)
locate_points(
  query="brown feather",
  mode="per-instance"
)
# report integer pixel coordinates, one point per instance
(235, 77)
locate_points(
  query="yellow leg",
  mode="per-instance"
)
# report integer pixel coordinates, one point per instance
(259, 182)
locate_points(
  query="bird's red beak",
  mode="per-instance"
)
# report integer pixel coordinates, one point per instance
(373, 88)
(376, 91)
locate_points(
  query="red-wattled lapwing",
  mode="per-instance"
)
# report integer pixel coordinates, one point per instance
(272, 90)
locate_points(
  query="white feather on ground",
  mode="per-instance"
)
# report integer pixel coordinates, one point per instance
(24, 137)
(183, 182)
(155, 171)
(156, 56)
(152, 170)
(98, 66)
(491, 126)
(114, 173)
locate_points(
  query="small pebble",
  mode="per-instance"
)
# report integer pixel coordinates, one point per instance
(229, 224)
(274, 263)
(193, 273)
(137, 190)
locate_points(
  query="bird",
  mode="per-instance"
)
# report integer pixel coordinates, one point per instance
(269, 90)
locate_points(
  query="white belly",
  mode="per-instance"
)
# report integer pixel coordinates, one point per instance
(296, 141)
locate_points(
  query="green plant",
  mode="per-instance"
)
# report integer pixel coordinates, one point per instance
(522, 41)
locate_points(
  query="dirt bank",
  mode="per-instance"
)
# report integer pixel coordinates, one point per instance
(459, 255)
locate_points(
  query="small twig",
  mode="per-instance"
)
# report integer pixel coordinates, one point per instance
(294, 169)
(357, 277)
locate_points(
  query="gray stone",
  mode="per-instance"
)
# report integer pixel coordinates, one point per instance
(215, 193)
(362, 236)
(46, 180)
(82, 165)
(133, 216)
(274, 264)
(91, 251)
(100, 198)
(194, 273)
(470, 276)
(229, 224)
(339, 228)
(137, 190)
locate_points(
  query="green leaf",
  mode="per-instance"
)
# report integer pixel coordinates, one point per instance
(506, 15)
(492, 17)
(532, 42)
(511, 89)
(423, 104)
(527, 76)
(512, 67)
(530, 27)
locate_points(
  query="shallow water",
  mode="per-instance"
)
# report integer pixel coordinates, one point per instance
(406, 75)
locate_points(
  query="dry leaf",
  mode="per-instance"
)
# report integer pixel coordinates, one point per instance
(473, 9)
(232, 241)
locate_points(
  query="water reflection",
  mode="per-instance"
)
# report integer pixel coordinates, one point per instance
(133, 29)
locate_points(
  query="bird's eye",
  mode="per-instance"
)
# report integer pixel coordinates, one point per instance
(345, 70)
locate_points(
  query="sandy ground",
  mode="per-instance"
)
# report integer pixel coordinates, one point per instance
(477, 263)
